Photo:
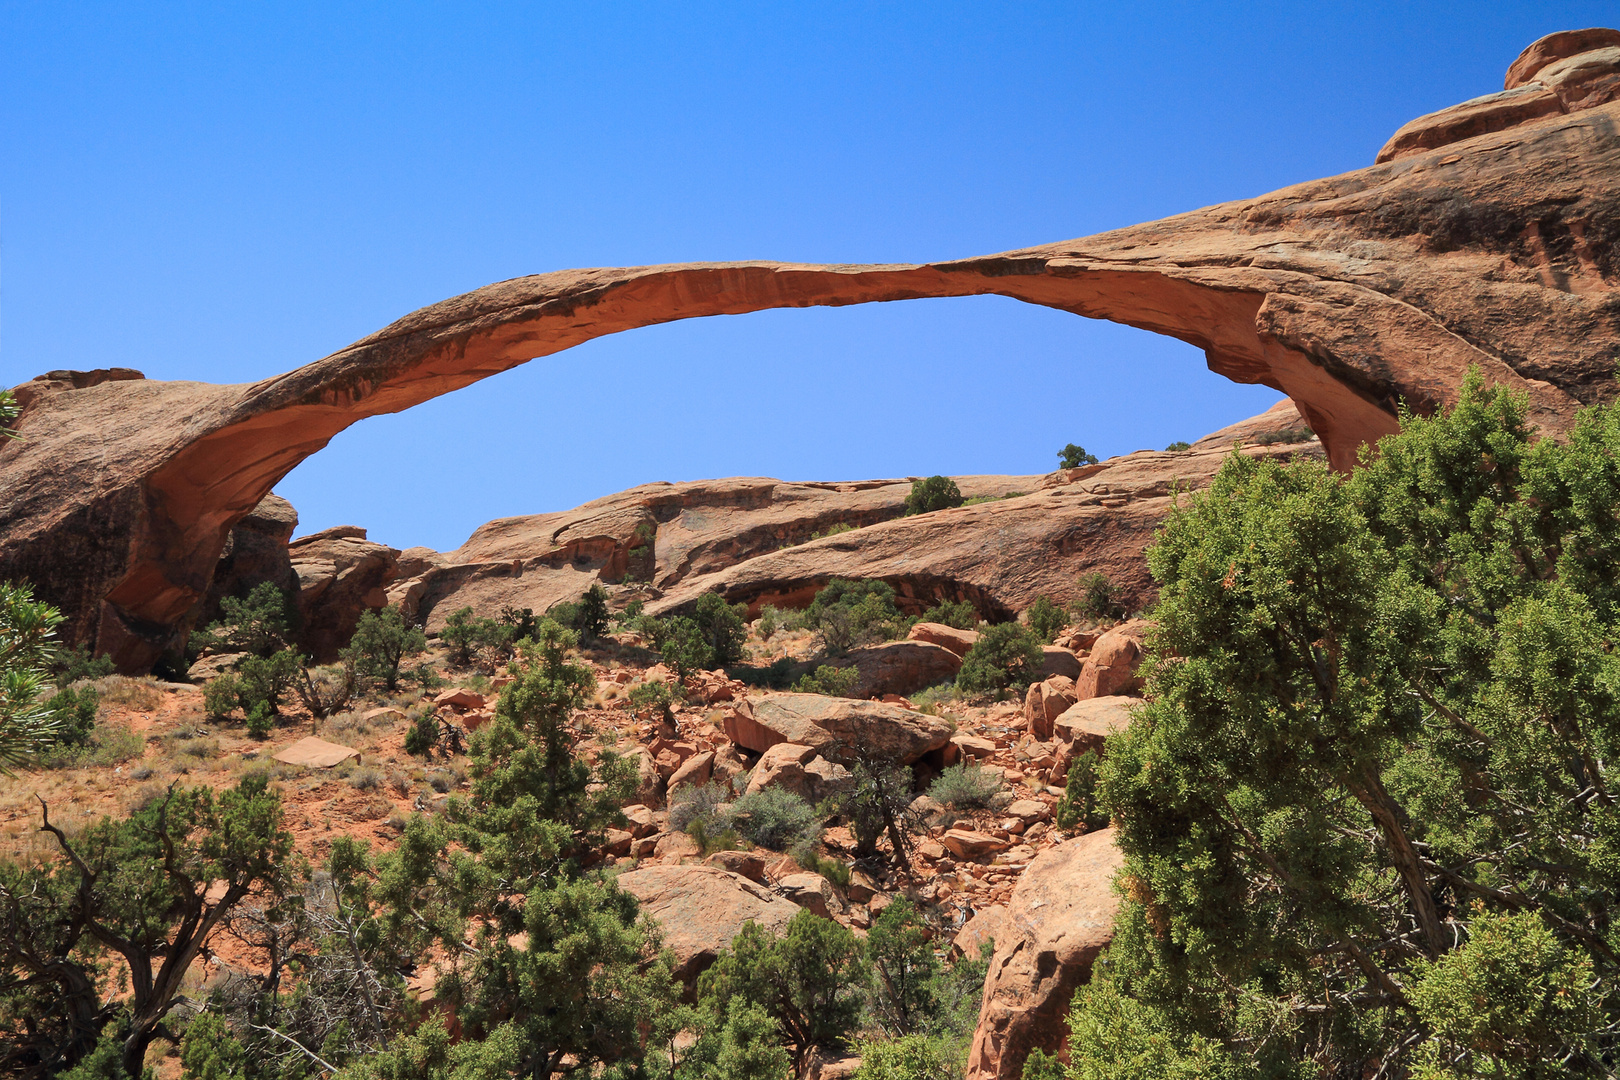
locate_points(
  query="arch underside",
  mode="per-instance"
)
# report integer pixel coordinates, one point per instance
(1334, 293)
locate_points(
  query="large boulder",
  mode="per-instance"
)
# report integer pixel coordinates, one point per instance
(1045, 702)
(341, 575)
(1060, 916)
(901, 667)
(949, 637)
(1111, 667)
(833, 725)
(1085, 724)
(701, 908)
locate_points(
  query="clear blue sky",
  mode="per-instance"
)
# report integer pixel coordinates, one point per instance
(226, 191)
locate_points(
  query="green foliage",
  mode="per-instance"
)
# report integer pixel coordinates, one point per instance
(1005, 656)
(1099, 599)
(74, 713)
(381, 643)
(520, 622)
(777, 675)
(260, 623)
(1072, 457)
(1286, 438)
(147, 889)
(208, 1050)
(849, 613)
(326, 690)
(809, 981)
(722, 627)
(102, 1063)
(834, 870)
(773, 818)
(655, 695)
(1365, 808)
(965, 787)
(468, 635)
(592, 619)
(221, 696)
(1078, 807)
(933, 493)
(680, 641)
(631, 615)
(1042, 1066)
(768, 623)
(910, 1057)
(829, 680)
(69, 666)
(27, 726)
(904, 969)
(699, 805)
(958, 613)
(1177, 447)
(422, 736)
(833, 530)
(1046, 619)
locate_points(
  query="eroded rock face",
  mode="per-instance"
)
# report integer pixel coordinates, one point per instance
(700, 909)
(900, 667)
(1347, 294)
(1060, 916)
(832, 725)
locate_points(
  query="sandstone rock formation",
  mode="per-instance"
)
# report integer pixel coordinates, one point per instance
(1111, 667)
(1348, 294)
(833, 725)
(1060, 916)
(701, 908)
(900, 667)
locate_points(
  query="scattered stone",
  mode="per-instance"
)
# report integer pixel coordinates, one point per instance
(970, 844)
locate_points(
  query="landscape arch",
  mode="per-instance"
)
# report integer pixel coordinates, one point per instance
(1351, 295)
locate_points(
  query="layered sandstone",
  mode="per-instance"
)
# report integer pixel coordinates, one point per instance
(1348, 294)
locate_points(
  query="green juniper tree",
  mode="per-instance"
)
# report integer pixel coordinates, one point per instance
(1366, 810)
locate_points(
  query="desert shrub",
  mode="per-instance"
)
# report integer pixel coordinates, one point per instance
(965, 787)
(768, 623)
(829, 680)
(777, 675)
(260, 623)
(1285, 438)
(519, 621)
(106, 745)
(592, 618)
(68, 666)
(695, 804)
(1046, 619)
(773, 818)
(326, 690)
(135, 693)
(424, 676)
(1043, 1066)
(260, 721)
(849, 613)
(75, 712)
(680, 641)
(1006, 655)
(366, 778)
(1178, 447)
(422, 736)
(654, 696)
(1072, 457)
(933, 493)
(1099, 599)
(468, 635)
(222, 696)
(807, 854)
(630, 617)
(958, 613)
(833, 530)
(930, 699)
(381, 643)
(722, 627)
(1078, 807)
(266, 680)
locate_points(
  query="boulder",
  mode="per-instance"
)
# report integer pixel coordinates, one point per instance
(460, 698)
(982, 927)
(783, 766)
(694, 771)
(812, 892)
(973, 747)
(1085, 724)
(1060, 916)
(746, 863)
(1029, 811)
(315, 753)
(1111, 667)
(210, 667)
(1045, 702)
(900, 667)
(831, 725)
(341, 576)
(971, 845)
(700, 909)
(1058, 662)
(948, 637)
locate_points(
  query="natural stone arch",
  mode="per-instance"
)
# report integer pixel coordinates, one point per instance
(1348, 294)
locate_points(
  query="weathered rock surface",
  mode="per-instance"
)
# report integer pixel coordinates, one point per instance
(933, 633)
(831, 725)
(1060, 916)
(900, 667)
(1045, 702)
(1347, 294)
(1085, 724)
(701, 908)
(255, 552)
(341, 575)
(1111, 668)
